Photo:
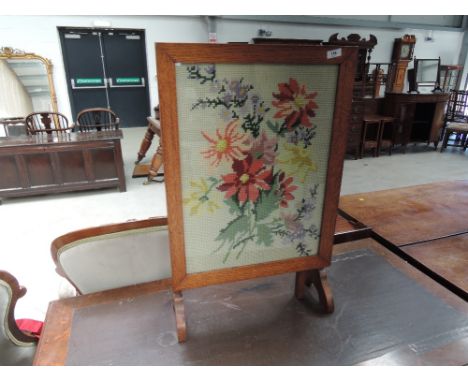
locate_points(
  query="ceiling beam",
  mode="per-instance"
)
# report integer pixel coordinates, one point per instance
(369, 23)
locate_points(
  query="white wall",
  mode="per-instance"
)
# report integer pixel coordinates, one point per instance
(446, 44)
(39, 34)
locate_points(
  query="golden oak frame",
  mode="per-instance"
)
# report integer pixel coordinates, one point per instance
(307, 268)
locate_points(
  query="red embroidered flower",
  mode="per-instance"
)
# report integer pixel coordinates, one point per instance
(286, 189)
(294, 104)
(225, 146)
(248, 179)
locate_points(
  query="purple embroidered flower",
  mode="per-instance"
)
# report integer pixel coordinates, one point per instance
(294, 226)
(210, 69)
(263, 147)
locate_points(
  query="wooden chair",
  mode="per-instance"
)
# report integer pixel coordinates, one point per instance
(16, 347)
(113, 256)
(370, 134)
(97, 119)
(386, 134)
(461, 131)
(47, 122)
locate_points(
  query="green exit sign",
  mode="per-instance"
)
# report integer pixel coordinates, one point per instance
(89, 81)
(128, 80)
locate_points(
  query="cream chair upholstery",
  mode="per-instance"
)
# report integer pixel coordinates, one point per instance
(16, 347)
(114, 256)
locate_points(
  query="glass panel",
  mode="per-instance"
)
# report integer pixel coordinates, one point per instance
(25, 86)
(427, 71)
(254, 144)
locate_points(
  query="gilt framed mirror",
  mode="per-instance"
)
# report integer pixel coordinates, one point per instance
(26, 86)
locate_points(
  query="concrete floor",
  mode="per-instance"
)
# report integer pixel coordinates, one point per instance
(28, 225)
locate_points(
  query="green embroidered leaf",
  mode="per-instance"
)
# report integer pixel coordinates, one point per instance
(267, 202)
(235, 228)
(273, 127)
(233, 205)
(264, 234)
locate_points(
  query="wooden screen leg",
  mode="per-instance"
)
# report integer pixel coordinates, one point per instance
(319, 279)
(156, 164)
(301, 280)
(180, 316)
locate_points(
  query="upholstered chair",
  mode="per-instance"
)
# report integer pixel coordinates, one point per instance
(16, 347)
(113, 256)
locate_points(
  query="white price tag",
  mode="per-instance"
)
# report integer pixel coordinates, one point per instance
(334, 53)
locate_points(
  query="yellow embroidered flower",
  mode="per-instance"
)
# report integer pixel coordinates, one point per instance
(199, 199)
(297, 162)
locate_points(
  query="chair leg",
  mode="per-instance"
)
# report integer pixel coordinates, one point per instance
(363, 139)
(145, 144)
(156, 164)
(446, 138)
(180, 316)
(380, 136)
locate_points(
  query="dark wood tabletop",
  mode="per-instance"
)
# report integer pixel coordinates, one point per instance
(259, 322)
(447, 256)
(412, 214)
(426, 224)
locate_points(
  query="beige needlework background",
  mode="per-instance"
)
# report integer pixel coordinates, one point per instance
(202, 221)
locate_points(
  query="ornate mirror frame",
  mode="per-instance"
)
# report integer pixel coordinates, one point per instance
(16, 54)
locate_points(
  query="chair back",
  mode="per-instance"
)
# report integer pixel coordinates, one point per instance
(97, 119)
(16, 347)
(47, 122)
(457, 106)
(114, 256)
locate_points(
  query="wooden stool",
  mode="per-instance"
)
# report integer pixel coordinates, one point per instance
(386, 134)
(366, 143)
(457, 128)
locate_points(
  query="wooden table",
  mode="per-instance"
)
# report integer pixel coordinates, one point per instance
(43, 164)
(259, 322)
(427, 225)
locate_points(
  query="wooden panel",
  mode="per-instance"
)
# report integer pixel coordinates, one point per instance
(39, 167)
(103, 162)
(9, 173)
(72, 164)
(32, 165)
(448, 257)
(412, 214)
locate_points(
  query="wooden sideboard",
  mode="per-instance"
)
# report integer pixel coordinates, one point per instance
(43, 164)
(418, 117)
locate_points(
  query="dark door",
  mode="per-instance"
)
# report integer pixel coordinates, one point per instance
(87, 83)
(125, 58)
(107, 68)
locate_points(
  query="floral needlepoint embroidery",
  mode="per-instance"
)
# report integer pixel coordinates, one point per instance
(249, 177)
(227, 146)
(266, 198)
(297, 161)
(285, 189)
(263, 147)
(200, 197)
(294, 103)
